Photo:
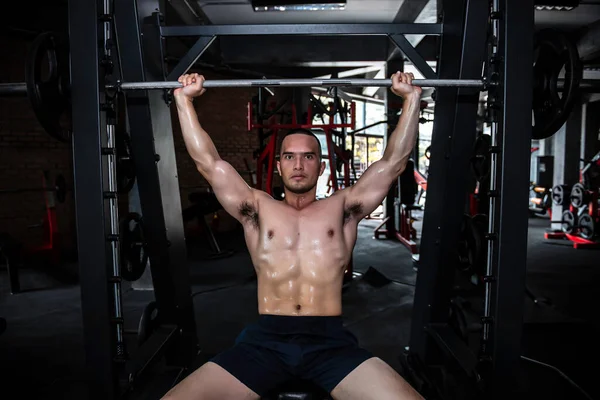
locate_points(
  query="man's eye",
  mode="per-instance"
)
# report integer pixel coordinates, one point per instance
(288, 157)
(309, 156)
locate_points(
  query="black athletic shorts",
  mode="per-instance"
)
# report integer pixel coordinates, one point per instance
(277, 349)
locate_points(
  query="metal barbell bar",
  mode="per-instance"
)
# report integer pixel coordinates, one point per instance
(13, 89)
(591, 86)
(237, 83)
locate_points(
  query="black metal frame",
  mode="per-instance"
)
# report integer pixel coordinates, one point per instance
(89, 127)
(508, 285)
(433, 343)
(111, 367)
(141, 59)
(302, 29)
(207, 34)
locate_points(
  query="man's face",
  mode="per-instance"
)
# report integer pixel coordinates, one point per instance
(299, 164)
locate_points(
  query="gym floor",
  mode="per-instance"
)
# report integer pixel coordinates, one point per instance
(42, 348)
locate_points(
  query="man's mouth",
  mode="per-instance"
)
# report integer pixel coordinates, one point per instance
(298, 177)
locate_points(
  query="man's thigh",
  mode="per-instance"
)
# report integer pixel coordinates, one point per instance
(209, 382)
(374, 379)
(241, 372)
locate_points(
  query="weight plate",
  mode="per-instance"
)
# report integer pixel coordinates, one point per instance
(47, 78)
(125, 165)
(481, 160)
(134, 256)
(578, 195)
(553, 53)
(61, 188)
(464, 256)
(567, 221)
(479, 223)
(148, 322)
(587, 227)
(559, 194)
(471, 248)
(458, 319)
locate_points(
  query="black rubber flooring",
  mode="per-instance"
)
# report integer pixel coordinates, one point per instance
(41, 352)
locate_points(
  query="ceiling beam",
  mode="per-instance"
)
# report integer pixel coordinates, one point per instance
(304, 50)
(189, 12)
(410, 10)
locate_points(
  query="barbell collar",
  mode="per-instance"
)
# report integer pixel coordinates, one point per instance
(13, 89)
(238, 83)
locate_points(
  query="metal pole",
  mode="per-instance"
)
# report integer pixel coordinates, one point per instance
(13, 89)
(236, 83)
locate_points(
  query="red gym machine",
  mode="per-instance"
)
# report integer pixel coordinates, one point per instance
(336, 153)
(580, 221)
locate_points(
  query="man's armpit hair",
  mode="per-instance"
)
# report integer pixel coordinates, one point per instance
(248, 212)
(353, 210)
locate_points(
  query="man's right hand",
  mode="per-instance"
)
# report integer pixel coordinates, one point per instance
(192, 86)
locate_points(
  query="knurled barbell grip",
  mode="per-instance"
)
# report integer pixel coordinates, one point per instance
(236, 83)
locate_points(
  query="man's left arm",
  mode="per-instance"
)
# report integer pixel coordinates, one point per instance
(373, 185)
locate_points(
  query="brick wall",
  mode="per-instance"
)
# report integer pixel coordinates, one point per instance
(223, 115)
(25, 151)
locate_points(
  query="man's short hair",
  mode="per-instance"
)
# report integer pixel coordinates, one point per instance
(303, 131)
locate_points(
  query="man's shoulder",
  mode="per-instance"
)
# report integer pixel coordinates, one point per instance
(336, 200)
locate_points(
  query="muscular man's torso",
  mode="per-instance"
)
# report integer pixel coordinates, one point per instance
(300, 256)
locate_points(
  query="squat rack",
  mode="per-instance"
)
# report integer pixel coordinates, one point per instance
(129, 48)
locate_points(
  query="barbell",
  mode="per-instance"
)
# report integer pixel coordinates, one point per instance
(553, 53)
(240, 83)
(59, 187)
(46, 84)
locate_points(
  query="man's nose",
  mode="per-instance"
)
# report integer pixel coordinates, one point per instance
(298, 164)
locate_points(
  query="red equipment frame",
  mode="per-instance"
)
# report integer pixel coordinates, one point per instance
(269, 152)
(49, 225)
(407, 234)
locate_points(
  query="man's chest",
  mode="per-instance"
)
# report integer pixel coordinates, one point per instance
(279, 225)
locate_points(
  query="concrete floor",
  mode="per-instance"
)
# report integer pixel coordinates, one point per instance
(42, 352)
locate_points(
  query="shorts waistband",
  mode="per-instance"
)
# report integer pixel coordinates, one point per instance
(286, 323)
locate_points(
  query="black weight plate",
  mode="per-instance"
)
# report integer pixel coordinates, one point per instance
(587, 227)
(462, 251)
(61, 188)
(553, 52)
(479, 223)
(481, 158)
(559, 194)
(48, 84)
(134, 256)
(125, 165)
(567, 221)
(578, 195)
(148, 322)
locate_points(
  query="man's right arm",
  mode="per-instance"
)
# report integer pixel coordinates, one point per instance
(229, 187)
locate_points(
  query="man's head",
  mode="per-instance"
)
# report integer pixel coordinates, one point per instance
(300, 162)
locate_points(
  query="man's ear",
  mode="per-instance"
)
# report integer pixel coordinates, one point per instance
(322, 168)
(279, 167)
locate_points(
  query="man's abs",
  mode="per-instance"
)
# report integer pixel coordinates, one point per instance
(300, 257)
(300, 288)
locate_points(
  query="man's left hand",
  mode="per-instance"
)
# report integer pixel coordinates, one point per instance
(402, 85)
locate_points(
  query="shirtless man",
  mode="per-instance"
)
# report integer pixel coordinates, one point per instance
(300, 248)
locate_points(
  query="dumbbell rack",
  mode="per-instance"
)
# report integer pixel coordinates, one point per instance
(571, 228)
